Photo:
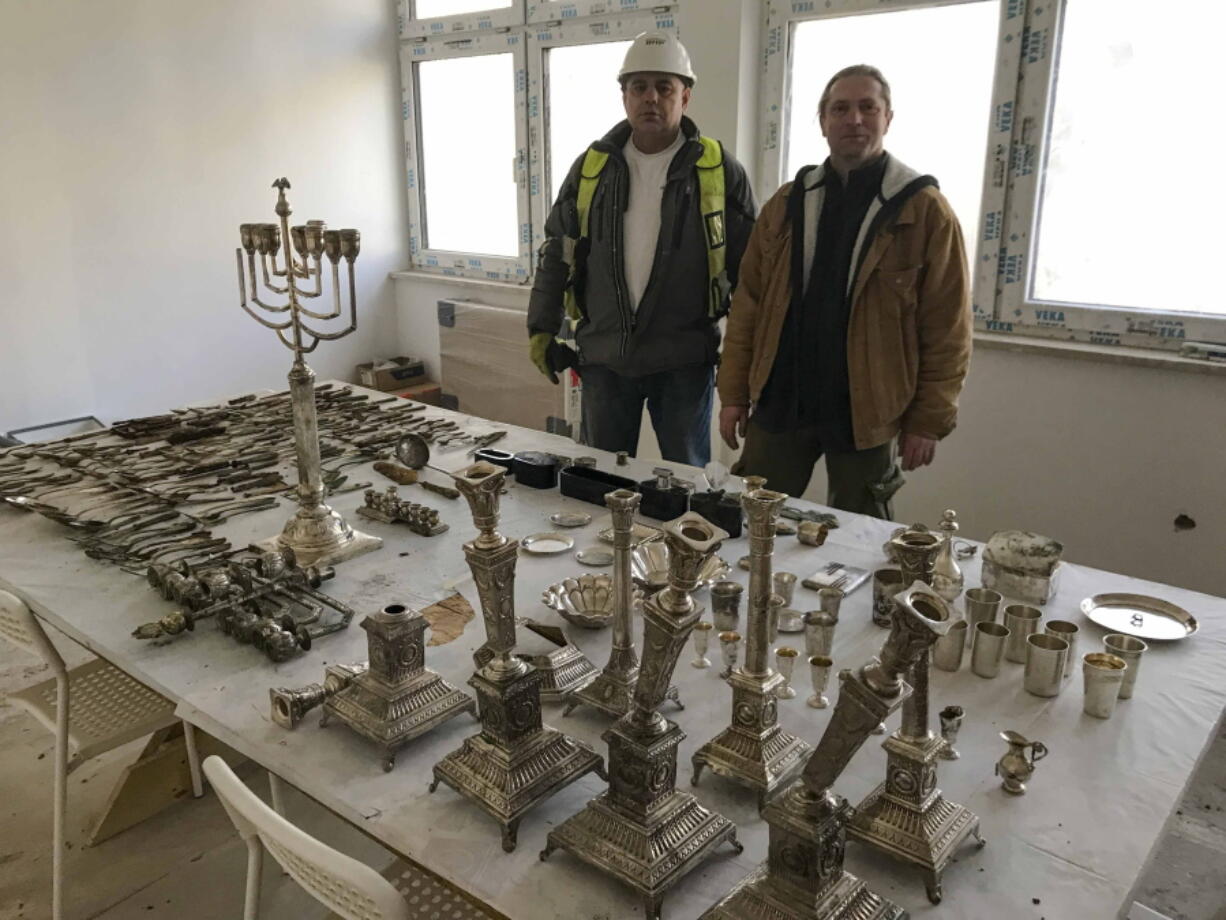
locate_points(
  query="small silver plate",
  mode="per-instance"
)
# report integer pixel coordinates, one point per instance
(547, 543)
(595, 556)
(1139, 615)
(570, 519)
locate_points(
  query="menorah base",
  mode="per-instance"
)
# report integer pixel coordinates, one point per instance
(760, 897)
(321, 537)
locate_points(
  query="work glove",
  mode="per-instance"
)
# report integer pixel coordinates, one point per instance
(551, 355)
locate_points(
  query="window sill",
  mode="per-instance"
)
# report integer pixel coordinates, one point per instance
(1109, 354)
(459, 280)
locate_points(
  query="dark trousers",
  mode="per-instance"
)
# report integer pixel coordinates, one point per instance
(861, 481)
(679, 403)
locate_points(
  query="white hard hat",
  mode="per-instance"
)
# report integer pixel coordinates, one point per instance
(657, 52)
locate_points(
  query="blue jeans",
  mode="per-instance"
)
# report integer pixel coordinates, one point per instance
(679, 403)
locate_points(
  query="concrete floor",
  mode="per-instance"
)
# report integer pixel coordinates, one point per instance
(188, 862)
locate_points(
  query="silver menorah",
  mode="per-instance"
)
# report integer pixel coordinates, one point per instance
(317, 534)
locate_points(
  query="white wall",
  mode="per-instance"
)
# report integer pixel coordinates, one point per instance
(135, 135)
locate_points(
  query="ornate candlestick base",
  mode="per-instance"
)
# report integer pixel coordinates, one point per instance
(754, 750)
(562, 667)
(806, 839)
(398, 698)
(515, 763)
(908, 817)
(643, 831)
(320, 537)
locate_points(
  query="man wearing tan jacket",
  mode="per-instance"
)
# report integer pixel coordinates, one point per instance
(849, 334)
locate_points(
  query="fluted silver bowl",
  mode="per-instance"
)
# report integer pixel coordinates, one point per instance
(649, 567)
(586, 601)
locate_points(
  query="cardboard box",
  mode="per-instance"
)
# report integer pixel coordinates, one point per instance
(392, 374)
(428, 392)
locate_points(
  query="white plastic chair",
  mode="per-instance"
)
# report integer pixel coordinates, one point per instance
(107, 709)
(349, 888)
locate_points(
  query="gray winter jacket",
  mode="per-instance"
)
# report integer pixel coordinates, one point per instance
(672, 327)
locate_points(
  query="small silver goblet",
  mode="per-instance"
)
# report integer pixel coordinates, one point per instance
(702, 641)
(951, 721)
(729, 646)
(819, 671)
(785, 660)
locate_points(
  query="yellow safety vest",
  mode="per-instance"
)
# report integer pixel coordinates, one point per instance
(710, 168)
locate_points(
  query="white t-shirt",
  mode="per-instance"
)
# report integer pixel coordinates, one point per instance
(641, 230)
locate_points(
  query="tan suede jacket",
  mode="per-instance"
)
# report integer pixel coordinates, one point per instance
(909, 333)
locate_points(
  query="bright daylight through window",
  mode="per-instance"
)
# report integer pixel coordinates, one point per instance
(940, 62)
(584, 102)
(1132, 205)
(428, 9)
(467, 108)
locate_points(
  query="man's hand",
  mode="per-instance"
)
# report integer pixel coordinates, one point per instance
(732, 421)
(914, 449)
(538, 350)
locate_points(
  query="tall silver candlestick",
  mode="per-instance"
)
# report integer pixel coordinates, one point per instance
(317, 534)
(754, 749)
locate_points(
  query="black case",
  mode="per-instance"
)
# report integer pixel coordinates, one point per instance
(719, 509)
(592, 485)
(663, 504)
(495, 456)
(535, 469)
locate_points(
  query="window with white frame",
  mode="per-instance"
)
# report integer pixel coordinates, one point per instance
(500, 98)
(1044, 122)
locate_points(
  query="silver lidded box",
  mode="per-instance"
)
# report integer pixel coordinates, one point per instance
(1022, 565)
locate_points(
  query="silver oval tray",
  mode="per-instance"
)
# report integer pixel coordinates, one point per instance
(1140, 615)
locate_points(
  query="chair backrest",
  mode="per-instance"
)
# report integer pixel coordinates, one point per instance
(350, 888)
(19, 625)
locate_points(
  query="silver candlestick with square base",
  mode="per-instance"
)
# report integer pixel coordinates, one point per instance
(803, 877)
(643, 831)
(754, 750)
(612, 691)
(907, 816)
(398, 698)
(317, 534)
(516, 762)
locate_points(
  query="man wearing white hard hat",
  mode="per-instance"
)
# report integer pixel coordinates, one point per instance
(642, 249)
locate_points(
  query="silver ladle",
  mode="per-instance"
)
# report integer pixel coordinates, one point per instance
(414, 452)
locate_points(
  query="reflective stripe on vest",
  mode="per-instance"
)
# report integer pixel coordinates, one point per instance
(710, 168)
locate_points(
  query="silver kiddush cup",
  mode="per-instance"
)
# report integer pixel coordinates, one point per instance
(819, 672)
(1104, 674)
(987, 648)
(1130, 648)
(1022, 620)
(1045, 659)
(729, 646)
(726, 605)
(947, 652)
(702, 639)
(886, 583)
(785, 661)
(1068, 632)
(819, 632)
(951, 721)
(982, 606)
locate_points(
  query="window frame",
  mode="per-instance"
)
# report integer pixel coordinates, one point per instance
(560, 11)
(782, 18)
(413, 26)
(1018, 311)
(517, 268)
(571, 33)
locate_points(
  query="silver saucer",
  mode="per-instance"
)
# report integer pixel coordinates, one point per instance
(595, 556)
(546, 544)
(570, 519)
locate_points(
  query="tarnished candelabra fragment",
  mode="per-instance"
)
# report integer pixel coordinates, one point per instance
(754, 749)
(269, 601)
(389, 508)
(516, 762)
(803, 877)
(316, 533)
(290, 705)
(907, 816)
(643, 831)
